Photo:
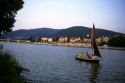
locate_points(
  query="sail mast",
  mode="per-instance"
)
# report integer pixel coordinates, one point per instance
(95, 50)
(92, 36)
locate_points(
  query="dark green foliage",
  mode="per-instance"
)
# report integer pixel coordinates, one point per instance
(8, 11)
(55, 39)
(80, 31)
(38, 39)
(118, 41)
(10, 69)
(74, 31)
(68, 39)
(33, 33)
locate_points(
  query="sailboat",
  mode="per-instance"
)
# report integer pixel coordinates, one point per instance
(95, 55)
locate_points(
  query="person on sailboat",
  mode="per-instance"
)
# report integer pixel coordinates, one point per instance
(80, 55)
(88, 55)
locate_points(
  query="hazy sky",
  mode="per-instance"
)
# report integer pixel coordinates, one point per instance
(58, 14)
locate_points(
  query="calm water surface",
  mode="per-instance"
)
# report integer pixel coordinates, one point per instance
(55, 64)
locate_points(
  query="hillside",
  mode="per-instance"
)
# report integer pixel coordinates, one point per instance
(74, 31)
(84, 31)
(48, 32)
(32, 32)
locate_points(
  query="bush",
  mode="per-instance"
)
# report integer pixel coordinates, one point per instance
(118, 41)
(10, 69)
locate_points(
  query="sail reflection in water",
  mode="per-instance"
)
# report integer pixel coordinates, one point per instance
(94, 72)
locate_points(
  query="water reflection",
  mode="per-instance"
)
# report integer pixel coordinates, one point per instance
(94, 72)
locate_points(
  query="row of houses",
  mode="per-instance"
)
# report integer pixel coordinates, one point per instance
(75, 39)
(45, 39)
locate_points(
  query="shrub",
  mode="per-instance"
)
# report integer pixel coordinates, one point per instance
(10, 69)
(118, 41)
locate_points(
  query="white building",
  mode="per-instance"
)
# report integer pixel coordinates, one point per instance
(44, 39)
(50, 39)
(75, 39)
(63, 39)
(105, 39)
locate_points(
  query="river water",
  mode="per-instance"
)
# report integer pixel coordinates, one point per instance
(55, 64)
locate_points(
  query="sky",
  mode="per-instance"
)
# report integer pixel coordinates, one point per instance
(60, 14)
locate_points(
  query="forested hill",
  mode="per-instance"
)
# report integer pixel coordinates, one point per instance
(83, 31)
(48, 32)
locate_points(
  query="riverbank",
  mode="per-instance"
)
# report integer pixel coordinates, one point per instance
(80, 45)
(68, 44)
(10, 69)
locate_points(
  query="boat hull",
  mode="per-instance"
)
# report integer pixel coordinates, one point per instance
(87, 60)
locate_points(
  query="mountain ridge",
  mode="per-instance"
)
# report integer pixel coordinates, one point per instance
(81, 31)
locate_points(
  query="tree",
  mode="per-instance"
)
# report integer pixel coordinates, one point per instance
(118, 41)
(55, 39)
(8, 11)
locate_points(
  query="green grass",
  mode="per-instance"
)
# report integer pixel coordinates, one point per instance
(10, 69)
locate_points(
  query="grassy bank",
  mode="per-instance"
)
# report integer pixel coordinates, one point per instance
(10, 69)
